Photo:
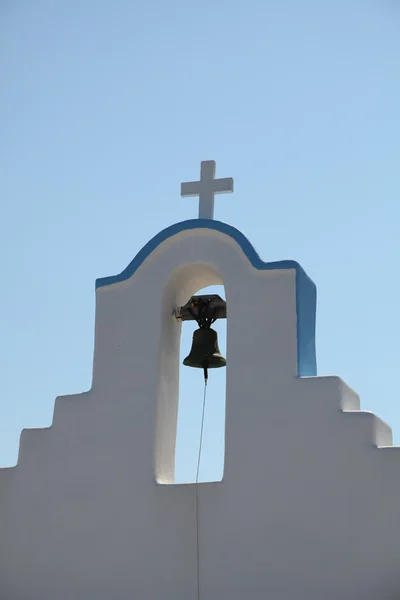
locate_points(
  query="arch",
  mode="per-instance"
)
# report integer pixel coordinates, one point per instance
(306, 293)
(190, 409)
(184, 282)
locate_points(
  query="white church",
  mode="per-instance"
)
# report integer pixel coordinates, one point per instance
(309, 504)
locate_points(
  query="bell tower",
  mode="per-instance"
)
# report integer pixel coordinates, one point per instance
(309, 503)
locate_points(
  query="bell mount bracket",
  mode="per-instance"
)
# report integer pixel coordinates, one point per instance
(205, 309)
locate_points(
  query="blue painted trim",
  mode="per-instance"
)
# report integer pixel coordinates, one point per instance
(306, 293)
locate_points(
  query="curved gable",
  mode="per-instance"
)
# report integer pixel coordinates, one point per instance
(305, 287)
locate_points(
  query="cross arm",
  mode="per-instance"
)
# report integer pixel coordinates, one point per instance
(223, 186)
(190, 188)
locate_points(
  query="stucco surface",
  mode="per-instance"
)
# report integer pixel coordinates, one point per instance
(309, 505)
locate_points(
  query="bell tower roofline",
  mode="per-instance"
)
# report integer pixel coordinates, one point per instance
(306, 294)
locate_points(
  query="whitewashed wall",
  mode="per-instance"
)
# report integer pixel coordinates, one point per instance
(309, 506)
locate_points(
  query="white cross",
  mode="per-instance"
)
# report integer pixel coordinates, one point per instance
(206, 188)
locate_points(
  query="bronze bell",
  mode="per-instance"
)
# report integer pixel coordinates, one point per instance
(205, 353)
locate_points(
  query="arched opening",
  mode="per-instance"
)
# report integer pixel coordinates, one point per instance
(191, 390)
(180, 466)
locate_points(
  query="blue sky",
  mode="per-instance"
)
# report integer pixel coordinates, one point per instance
(106, 107)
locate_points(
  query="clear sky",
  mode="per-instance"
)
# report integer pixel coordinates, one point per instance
(107, 106)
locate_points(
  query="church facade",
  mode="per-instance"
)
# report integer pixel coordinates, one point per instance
(309, 504)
